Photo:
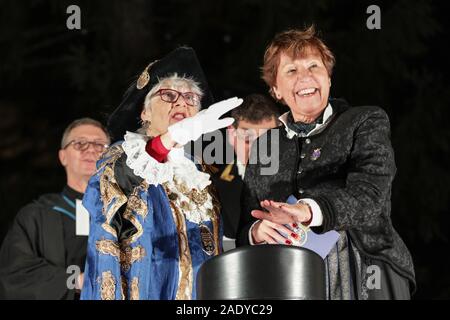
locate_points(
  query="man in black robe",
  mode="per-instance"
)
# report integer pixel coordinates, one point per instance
(41, 250)
(252, 118)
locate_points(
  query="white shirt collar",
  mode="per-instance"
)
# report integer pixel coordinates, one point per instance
(291, 133)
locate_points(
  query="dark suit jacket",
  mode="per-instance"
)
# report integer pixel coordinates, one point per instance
(229, 187)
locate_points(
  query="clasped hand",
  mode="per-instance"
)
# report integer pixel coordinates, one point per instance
(273, 222)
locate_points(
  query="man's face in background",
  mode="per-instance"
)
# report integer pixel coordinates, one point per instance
(242, 137)
(80, 162)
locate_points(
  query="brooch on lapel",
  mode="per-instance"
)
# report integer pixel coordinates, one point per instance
(316, 154)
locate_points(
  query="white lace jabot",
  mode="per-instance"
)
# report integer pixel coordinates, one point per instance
(177, 165)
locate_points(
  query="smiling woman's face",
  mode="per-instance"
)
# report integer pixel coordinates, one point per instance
(161, 114)
(303, 84)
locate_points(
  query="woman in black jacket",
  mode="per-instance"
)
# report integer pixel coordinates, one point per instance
(338, 162)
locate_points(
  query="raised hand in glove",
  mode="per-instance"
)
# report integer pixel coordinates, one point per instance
(190, 129)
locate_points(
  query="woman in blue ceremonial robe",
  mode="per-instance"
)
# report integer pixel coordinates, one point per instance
(154, 218)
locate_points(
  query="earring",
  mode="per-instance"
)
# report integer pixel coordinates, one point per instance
(145, 124)
(277, 94)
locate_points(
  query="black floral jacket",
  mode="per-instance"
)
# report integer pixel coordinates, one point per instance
(347, 167)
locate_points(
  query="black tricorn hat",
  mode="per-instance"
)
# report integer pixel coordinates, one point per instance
(182, 61)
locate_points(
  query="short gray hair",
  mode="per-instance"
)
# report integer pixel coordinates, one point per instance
(81, 122)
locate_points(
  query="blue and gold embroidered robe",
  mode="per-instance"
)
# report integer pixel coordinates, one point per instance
(141, 245)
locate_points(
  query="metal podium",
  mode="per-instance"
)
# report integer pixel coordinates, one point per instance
(263, 272)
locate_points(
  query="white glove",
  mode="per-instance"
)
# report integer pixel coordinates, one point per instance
(190, 129)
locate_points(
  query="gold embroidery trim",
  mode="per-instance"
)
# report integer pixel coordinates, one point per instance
(128, 214)
(197, 197)
(138, 206)
(108, 286)
(129, 255)
(110, 156)
(215, 215)
(135, 204)
(185, 278)
(134, 291)
(108, 247)
(125, 255)
(124, 291)
(112, 196)
(109, 229)
(110, 192)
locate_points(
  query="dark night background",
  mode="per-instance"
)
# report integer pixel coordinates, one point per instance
(50, 75)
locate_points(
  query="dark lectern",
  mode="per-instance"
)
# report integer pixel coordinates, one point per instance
(263, 272)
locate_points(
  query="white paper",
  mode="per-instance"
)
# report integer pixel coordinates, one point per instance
(82, 222)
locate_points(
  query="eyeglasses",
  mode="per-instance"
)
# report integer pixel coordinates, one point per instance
(171, 96)
(83, 145)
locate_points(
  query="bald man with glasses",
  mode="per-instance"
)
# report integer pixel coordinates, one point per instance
(43, 245)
